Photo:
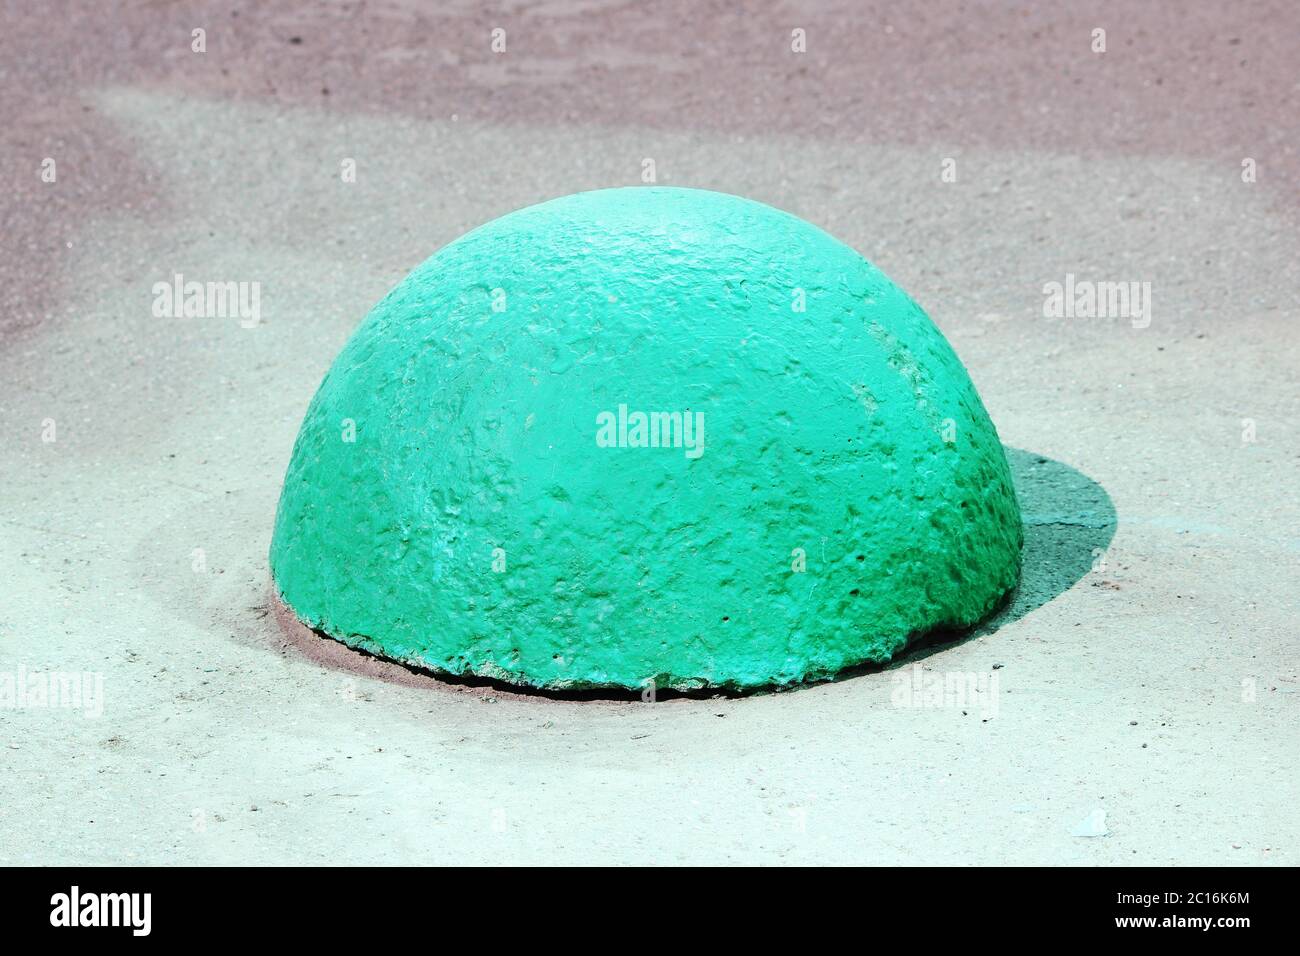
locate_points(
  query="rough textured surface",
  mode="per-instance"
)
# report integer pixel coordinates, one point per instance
(451, 501)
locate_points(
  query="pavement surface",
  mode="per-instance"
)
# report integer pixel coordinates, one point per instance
(1147, 668)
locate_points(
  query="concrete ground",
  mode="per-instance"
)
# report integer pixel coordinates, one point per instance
(1147, 668)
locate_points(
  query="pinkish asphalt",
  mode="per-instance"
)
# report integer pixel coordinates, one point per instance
(1196, 80)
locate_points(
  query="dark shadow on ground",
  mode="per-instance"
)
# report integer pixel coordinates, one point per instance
(1069, 519)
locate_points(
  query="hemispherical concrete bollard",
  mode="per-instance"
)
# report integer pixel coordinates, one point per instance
(645, 436)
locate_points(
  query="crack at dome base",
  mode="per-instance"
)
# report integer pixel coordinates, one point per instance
(467, 493)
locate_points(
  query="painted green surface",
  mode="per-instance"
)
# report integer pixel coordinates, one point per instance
(485, 391)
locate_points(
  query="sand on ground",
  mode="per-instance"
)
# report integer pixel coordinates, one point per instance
(1148, 667)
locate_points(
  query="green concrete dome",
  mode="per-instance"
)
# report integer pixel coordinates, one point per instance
(640, 435)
